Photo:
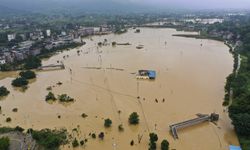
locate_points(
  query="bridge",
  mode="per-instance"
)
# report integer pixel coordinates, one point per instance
(59, 66)
(200, 119)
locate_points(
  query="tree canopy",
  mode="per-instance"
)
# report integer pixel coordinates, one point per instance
(134, 118)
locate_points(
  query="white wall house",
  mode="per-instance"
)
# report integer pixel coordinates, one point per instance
(11, 37)
(2, 61)
(48, 33)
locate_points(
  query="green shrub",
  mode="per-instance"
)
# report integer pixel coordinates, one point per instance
(93, 135)
(134, 118)
(107, 123)
(65, 98)
(132, 143)
(82, 142)
(8, 119)
(50, 96)
(75, 143)
(14, 109)
(84, 115)
(4, 91)
(164, 145)
(120, 128)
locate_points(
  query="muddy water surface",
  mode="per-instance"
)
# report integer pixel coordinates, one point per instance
(190, 77)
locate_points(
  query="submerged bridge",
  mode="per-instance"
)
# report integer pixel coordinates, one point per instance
(200, 119)
(59, 66)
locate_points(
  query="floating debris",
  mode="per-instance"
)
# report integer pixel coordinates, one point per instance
(140, 46)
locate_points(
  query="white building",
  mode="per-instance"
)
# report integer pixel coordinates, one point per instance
(48, 33)
(2, 61)
(11, 37)
(63, 33)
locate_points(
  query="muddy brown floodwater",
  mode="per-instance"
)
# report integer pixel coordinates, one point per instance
(190, 78)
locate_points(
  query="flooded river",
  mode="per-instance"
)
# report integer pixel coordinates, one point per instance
(190, 77)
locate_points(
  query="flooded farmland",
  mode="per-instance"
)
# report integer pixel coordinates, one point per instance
(190, 79)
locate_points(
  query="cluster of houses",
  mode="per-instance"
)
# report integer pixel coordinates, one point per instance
(49, 41)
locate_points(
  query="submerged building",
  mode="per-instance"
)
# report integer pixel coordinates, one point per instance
(146, 74)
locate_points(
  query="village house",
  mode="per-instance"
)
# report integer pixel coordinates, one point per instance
(19, 55)
(25, 44)
(85, 31)
(11, 37)
(2, 60)
(35, 52)
(9, 58)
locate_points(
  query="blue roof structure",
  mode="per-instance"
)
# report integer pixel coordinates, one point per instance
(151, 74)
(231, 147)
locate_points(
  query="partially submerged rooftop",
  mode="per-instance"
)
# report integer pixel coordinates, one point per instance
(146, 74)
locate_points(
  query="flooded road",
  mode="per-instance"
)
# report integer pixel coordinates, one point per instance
(190, 78)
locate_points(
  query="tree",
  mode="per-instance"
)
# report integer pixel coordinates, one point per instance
(241, 123)
(19, 82)
(4, 91)
(50, 96)
(152, 146)
(134, 118)
(8, 119)
(4, 143)
(164, 145)
(28, 74)
(153, 138)
(120, 128)
(107, 123)
(82, 142)
(32, 63)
